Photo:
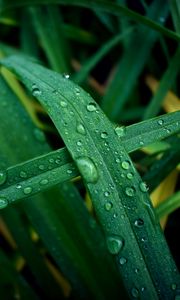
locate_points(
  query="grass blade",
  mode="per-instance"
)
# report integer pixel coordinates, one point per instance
(125, 212)
(105, 6)
(168, 206)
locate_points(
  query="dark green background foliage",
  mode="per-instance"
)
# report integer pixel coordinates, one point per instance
(89, 135)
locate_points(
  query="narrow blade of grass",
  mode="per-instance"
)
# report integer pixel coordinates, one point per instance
(168, 206)
(165, 84)
(124, 210)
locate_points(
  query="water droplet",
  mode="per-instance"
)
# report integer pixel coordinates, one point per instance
(88, 169)
(27, 190)
(106, 194)
(108, 206)
(81, 129)
(69, 171)
(44, 182)
(63, 103)
(130, 191)
(143, 187)
(104, 135)
(77, 91)
(91, 107)
(114, 244)
(79, 143)
(122, 260)
(3, 202)
(57, 161)
(173, 286)
(66, 76)
(18, 186)
(23, 174)
(125, 164)
(129, 175)
(41, 167)
(35, 90)
(160, 122)
(117, 160)
(120, 131)
(136, 270)
(139, 223)
(39, 135)
(141, 143)
(3, 177)
(135, 293)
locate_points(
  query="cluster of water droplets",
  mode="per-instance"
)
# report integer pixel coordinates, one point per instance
(3, 200)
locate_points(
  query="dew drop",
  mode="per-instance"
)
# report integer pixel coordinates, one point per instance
(125, 165)
(122, 260)
(79, 143)
(41, 167)
(66, 76)
(81, 129)
(91, 107)
(19, 186)
(39, 135)
(23, 174)
(136, 270)
(117, 160)
(143, 187)
(139, 223)
(63, 103)
(77, 91)
(35, 90)
(44, 182)
(3, 202)
(160, 122)
(27, 190)
(69, 171)
(129, 175)
(104, 135)
(88, 169)
(106, 194)
(114, 244)
(108, 206)
(134, 293)
(120, 131)
(3, 177)
(130, 191)
(57, 161)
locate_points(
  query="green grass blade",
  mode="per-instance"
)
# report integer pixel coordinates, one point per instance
(168, 206)
(175, 11)
(165, 84)
(12, 284)
(47, 22)
(106, 6)
(46, 211)
(47, 170)
(91, 62)
(131, 64)
(125, 212)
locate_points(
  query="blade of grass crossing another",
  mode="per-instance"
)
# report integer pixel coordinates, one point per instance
(132, 231)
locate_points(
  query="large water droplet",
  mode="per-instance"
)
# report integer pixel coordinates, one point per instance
(23, 174)
(88, 169)
(81, 129)
(3, 177)
(3, 202)
(108, 206)
(139, 223)
(135, 293)
(122, 260)
(36, 91)
(114, 244)
(120, 130)
(130, 191)
(104, 135)
(125, 164)
(91, 107)
(143, 187)
(44, 182)
(27, 190)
